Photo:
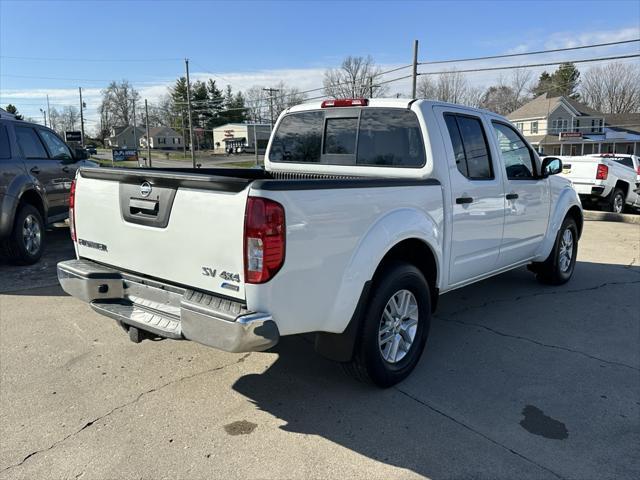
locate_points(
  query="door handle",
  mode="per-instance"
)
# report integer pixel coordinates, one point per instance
(463, 200)
(35, 170)
(65, 169)
(512, 196)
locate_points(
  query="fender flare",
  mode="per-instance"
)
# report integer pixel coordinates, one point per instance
(387, 232)
(567, 199)
(20, 185)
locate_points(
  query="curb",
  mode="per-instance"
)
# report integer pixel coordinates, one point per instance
(590, 215)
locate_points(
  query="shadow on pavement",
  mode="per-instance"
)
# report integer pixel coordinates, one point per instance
(518, 380)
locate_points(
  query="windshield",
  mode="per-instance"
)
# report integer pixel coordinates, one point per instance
(369, 137)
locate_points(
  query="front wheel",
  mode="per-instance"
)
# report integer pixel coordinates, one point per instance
(558, 268)
(394, 327)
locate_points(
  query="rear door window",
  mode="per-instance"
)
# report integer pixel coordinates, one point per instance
(627, 162)
(470, 147)
(30, 143)
(5, 149)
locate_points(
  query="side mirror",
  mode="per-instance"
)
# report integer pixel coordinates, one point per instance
(80, 154)
(551, 166)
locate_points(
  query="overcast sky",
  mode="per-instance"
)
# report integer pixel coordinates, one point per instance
(55, 47)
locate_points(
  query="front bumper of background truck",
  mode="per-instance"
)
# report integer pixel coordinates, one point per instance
(167, 310)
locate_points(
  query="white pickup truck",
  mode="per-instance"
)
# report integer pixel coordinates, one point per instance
(366, 211)
(608, 180)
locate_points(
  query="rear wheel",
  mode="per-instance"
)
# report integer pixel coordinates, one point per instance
(616, 202)
(394, 328)
(26, 242)
(559, 266)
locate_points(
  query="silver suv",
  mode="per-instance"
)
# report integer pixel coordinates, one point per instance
(36, 169)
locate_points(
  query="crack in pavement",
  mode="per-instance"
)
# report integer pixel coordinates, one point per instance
(448, 319)
(120, 407)
(477, 432)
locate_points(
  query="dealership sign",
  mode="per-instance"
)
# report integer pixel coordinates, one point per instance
(73, 136)
(123, 154)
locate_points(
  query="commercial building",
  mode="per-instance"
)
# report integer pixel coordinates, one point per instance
(563, 126)
(237, 137)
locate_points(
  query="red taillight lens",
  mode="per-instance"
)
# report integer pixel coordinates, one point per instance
(638, 170)
(72, 209)
(345, 102)
(264, 239)
(602, 173)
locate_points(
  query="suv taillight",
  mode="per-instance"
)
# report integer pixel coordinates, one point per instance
(72, 215)
(264, 239)
(602, 173)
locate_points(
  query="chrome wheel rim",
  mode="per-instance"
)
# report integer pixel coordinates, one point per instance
(31, 234)
(566, 250)
(618, 203)
(398, 326)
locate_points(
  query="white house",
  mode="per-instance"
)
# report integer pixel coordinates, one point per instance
(164, 138)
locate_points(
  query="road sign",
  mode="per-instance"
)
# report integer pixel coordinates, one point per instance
(73, 136)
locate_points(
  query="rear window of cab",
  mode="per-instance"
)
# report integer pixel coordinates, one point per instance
(385, 137)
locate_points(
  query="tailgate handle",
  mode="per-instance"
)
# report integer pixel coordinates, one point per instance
(143, 207)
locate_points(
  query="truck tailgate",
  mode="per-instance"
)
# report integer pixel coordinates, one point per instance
(580, 170)
(172, 229)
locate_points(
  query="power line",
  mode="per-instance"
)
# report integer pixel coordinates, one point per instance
(531, 65)
(101, 60)
(538, 52)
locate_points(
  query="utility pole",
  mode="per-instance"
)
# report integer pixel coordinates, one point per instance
(255, 141)
(81, 116)
(271, 92)
(193, 153)
(135, 128)
(146, 112)
(371, 87)
(49, 111)
(414, 78)
(44, 117)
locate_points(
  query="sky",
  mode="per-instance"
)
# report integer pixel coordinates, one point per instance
(55, 47)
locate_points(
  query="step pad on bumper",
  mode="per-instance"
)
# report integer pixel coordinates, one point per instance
(132, 314)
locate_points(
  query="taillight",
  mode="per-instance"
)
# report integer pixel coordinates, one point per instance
(264, 239)
(602, 173)
(72, 215)
(345, 102)
(638, 170)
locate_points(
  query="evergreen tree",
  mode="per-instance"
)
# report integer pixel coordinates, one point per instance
(564, 81)
(13, 110)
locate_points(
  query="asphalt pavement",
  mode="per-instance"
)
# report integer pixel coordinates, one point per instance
(518, 381)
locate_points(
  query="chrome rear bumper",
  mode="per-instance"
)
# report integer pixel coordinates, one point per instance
(167, 310)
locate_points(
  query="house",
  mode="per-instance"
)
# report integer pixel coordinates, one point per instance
(124, 137)
(164, 138)
(563, 126)
(241, 135)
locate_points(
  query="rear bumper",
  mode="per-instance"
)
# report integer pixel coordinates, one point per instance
(167, 310)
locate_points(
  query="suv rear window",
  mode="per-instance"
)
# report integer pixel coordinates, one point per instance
(369, 136)
(5, 149)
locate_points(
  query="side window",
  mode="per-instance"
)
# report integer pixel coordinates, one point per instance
(470, 146)
(298, 138)
(5, 148)
(30, 143)
(57, 147)
(518, 158)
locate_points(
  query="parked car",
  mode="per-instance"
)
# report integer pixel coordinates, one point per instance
(36, 170)
(366, 212)
(604, 180)
(91, 149)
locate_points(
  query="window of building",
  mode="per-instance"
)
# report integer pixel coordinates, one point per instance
(470, 147)
(5, 148)
(30, 143)
(520, 126)
(517, 156)
(534, 127)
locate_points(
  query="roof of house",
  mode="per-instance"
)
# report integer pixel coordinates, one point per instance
(623, 121)
(120, 130)
(154, 131)
(542, 105)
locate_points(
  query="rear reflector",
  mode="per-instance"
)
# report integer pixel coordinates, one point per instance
(602, 173)
(72, 209)
(264, 239)
(345, 102)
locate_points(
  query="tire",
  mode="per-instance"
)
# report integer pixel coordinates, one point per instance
(557, 269)
(616, 202)
(374, 362)
(26, 243)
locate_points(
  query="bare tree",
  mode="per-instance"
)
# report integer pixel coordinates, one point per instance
(509, 94)
(451, 86)
(612, 88)
(69, 119)
(117, 103)
(356, 77)
(258, 101)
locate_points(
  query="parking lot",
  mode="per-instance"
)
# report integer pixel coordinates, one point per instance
(518, 380)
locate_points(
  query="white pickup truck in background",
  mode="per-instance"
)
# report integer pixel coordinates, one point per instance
(606, 180)
(366, 211)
